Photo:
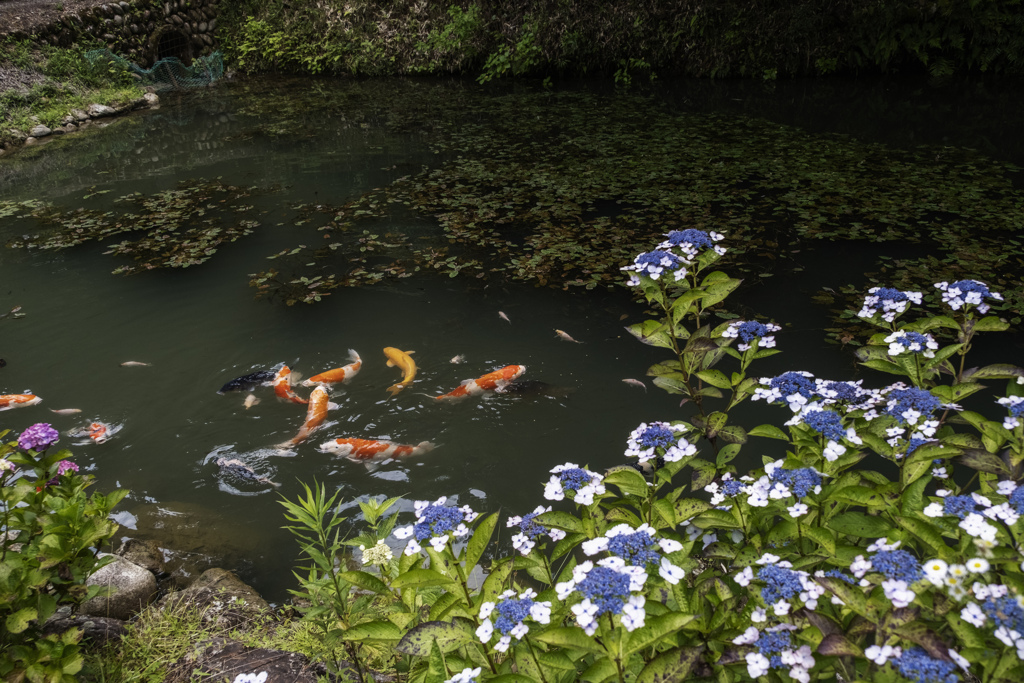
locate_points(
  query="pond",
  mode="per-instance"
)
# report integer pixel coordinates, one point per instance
(288, 221)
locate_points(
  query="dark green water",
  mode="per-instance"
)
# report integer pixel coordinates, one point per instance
(321, 142)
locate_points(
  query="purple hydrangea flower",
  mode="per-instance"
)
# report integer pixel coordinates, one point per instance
(964, 293)
(38, 437)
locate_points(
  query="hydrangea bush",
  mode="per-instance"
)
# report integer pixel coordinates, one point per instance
(50, 536)
(884, 545)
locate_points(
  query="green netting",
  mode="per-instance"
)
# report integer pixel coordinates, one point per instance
(170, 72)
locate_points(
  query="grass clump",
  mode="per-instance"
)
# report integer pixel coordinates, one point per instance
(42, 84)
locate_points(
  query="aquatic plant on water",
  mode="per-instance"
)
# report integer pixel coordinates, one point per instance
(884, 546)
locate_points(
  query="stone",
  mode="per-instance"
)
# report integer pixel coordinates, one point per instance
(225, 600)
(222, 659)
(98, 110)
(207, 39)
(177, 20)
(95, 630)
(57, 131)
(146, 554)
(202, 27)
(30, 141)
(152, 99)
(70, 128)
(118, 19)
(39, 131)
(212, 25)
(133, 589)
(79, 114)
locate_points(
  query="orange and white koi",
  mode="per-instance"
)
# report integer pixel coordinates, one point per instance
(283, 386)
(369, 450)
(8, 401)
(342, 374)
(492, 381)
(99, 432)
(316, 413)
(401, 360)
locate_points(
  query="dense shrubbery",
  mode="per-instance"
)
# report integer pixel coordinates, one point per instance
(884, 546)
(762, 39)
(50, 545)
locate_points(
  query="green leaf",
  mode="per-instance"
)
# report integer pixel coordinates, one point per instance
(654, 630)
(570, 637)
(717, 519)
(983, 461)
(991, 323)
(727, 453)
(769, 431)
(690, 507)
(671, 666)
(836, 645)
(479, 540)
(449, 636)
(860, 525)
(715, 378)
(601, 670)
(733, 434)
(999, 371)
(19, 621)
(822, 537)
(416, 578)
(929, 534)
(884, 366)
(628, 480)
(366, 581)
(652, 332)
(373, 630)
(859, 495)
(560, 520)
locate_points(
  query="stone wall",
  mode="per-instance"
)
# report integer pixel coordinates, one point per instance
(142, 31)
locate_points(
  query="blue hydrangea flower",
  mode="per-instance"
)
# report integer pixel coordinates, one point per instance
(636, 547)
(901, 342)
(799, 481)
(909, 405)
(511, 613)
(570, 478)
(653, 264)
(851, 395)
(781, 583)
(794, 388)
(529, 530)
(837, 574)
(747, 332)
(1006, 612)
(916, 665)
(887, 301)
(645, 441)
(608, 587)
(826, 422)
(898, 565)
(1015, 404)
(964, 293)
(38, 437)
(692, 241)
(436, 522)
(960, 506)
(1016, 501)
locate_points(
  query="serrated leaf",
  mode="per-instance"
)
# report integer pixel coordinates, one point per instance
(373, 630)
(417, 578)
(570, 637)
(449, 636)
(860, 525)
(769, 431)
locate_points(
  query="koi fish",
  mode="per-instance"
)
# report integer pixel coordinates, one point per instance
(401, 360)
(343, 374)
(249, 382)
(8, 401)
(250, 401)
(66, 411)
(315, 415)
(283, 386)
(458, 359)
(134, 364)
(368, 450)
(635, 383)
(564, 336)
(504, 317)
(492, 381)
(99, 432)
(239, 468)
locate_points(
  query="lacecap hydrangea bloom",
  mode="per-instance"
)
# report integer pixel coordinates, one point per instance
(638, 548)
(783, 585)
(646, 440)
(510, 614)
(529, 530)
(829, 424)
(692, 241)
(887, 302)
(965, 293)
(1015, 404)
(795, 389)
(607, 587)
(848, 395)
(437, 523)
(569, 478)
(921, 344)
(379, 554)
(654, 264)
(775, 650)
(750, 332)
(38, 437)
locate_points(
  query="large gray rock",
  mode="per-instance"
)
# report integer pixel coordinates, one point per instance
(39, 131)
(98, 110)
(132, 588)
(225, 600)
